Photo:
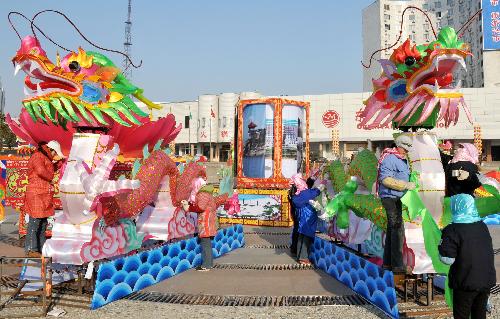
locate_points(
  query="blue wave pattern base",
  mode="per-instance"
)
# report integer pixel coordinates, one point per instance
(122, 276)
(492, 220)
(362, 276)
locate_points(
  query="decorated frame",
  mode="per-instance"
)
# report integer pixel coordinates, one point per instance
(277, 180)
(281, 217)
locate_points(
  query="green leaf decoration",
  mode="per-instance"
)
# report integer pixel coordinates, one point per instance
(133, 107)
(83, 112)
(49, 112)
(29, 109)
(38, 111)
(69, 108)
(57, 105)
(112, 113)
(121, 107)
(98, 116)
(145, 151)
(158, 145)
(62, 121)
(492, 190)
(136, 167)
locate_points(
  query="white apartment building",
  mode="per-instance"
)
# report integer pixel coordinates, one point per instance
(212, 137)
(382, 24)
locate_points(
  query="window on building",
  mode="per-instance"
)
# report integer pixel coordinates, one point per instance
(186, 121)
(426, 36)
(438, 25)
(426, 26)
(203, 122)
(437, 5)
(412, 17)
(386, 7)
(438, 14)
(450, 21)
(387, 17)
(449, 2)
(412, 27)
(224, 122)
(387, 27)
(425, 6)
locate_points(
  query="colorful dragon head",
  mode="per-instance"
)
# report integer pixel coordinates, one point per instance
(83, 89)
(417, 82)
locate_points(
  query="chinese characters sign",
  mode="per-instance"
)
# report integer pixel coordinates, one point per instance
(491, 24)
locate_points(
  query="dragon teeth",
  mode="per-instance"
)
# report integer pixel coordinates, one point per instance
(33, 67)
(462, 63)
(436, 86)
(39, 89)
(17, 68)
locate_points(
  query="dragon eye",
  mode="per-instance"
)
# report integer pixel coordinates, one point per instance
(74, 66)
(409, 61)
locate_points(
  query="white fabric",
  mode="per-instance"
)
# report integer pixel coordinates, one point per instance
(56, 147)
(425, 158)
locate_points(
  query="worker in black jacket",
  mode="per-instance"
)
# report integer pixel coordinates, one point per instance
(461, 171)
(466, 245)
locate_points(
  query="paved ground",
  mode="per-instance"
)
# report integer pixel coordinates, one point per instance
(268, 248)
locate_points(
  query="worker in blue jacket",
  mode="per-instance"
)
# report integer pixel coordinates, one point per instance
(308, 220)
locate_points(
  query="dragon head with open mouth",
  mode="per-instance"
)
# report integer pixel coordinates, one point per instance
(417, 82)
(84, 89)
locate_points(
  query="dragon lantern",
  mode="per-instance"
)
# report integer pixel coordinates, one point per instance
(416, 89)
(85, 103)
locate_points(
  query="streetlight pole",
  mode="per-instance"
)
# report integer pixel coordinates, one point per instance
(210, 128)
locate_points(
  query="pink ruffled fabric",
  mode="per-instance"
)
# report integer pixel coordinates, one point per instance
(299, 182)
(467, 153)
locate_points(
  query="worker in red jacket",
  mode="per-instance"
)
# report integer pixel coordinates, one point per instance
(38, 201)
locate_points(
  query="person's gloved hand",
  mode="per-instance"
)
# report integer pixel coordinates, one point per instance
(185, 205)
(317, 206)
(410, 186)
(462, 175)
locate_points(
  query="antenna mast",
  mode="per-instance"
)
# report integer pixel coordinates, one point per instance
(127, 70)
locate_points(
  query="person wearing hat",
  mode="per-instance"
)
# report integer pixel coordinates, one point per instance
(392, 182)
(38, 201)
(461, 171)
(472, 272)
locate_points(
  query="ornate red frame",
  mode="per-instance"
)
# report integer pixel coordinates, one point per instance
(277, 181)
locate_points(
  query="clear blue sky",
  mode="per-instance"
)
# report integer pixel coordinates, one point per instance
(198, 47)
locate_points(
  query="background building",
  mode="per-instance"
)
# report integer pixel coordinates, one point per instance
(382, 25)
(195, 138)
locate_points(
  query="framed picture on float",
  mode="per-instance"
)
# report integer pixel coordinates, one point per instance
(272, 142)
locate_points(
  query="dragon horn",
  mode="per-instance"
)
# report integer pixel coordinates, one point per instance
(138, 95)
